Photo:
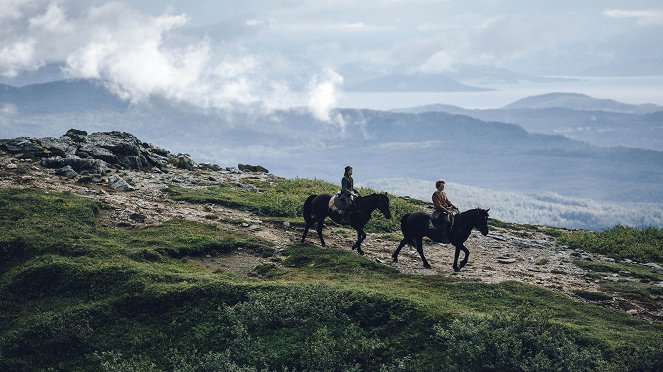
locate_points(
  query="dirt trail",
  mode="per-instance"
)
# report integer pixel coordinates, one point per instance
(501, 256)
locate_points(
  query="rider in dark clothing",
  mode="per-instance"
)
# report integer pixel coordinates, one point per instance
(348, 193)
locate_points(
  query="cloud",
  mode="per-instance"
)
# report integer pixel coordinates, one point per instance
(53, 20)
(643, 17)
(13, 9)
(17, 57)
(141, 55)
(323, 96)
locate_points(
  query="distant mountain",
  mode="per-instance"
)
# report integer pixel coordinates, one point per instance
(65, 95)
(596, 127)
(411, 83)
(46, 73)
(577, 101)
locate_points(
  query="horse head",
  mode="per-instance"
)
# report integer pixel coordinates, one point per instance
(481, 221)
(383, 204)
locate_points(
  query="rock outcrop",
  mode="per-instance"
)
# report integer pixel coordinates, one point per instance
(95, 153)
(90, 157)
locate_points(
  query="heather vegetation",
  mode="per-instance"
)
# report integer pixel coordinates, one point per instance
(620, 242)
(75, 295)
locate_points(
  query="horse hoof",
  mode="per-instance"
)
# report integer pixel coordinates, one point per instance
(354, 247)
(427, 266)
(456, 269)
(361, 253)
(395, 259)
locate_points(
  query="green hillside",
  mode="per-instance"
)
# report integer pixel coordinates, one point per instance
(75, 295)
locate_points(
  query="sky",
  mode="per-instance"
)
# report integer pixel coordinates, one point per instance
(266, 53)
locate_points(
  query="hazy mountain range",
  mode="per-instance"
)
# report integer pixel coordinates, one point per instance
(601, 122)
(463, 149)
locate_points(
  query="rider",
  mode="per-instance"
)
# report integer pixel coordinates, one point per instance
(444, 208)
(348, 193)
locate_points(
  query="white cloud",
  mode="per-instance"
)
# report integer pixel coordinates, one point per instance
(53, 20)
(643, 17)
(323, 96)
(17, 57)
(13, 9)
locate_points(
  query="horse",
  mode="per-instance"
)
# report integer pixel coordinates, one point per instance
(316, 209)
(416, 225)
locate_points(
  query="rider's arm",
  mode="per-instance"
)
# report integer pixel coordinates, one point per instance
(345, 187)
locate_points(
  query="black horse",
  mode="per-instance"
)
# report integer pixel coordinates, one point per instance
(416, 225)
(316, 209)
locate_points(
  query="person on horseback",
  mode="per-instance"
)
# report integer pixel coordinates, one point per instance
(348, 193)
(444, 209)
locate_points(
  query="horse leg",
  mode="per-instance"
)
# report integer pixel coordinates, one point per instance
(467, 256)
(319, 230)
(305, 233)
(360, 238)
(456, 268)
(403, 243)
(420, 249)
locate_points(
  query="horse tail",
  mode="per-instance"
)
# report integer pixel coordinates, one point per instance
(308, 210)
(404, 224)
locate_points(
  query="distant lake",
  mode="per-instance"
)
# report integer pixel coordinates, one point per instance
(630, 89)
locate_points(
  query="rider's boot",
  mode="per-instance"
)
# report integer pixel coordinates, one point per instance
(446, 232)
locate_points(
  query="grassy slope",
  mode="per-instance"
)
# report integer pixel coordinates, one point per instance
(78, 296)
(284, 199)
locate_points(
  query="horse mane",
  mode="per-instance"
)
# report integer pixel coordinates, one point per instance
(469, 211)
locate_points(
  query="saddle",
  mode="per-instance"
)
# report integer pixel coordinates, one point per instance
(333, 205)
(435, 224)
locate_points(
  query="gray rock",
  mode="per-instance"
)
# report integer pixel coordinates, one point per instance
(63, 146)
(252, 168)
(653, 265)
(506, 260)
(117, 183)
(76, 135)
(95, 166)
(210, 166)
(90, 178)
(27, 147)
(183, 161)
(90, 151)
(67, 172)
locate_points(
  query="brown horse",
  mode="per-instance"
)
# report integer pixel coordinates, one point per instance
(316, 209)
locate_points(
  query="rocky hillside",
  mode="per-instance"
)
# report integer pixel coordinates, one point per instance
(139, 188)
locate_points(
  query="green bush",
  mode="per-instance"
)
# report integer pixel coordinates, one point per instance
(523, 341)
(642, 245)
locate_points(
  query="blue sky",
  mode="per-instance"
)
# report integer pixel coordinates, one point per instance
(215, 53)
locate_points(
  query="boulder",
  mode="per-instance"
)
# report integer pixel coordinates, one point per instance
(117, 183)
(76, 135)
(96, 166)
(252, 168)
(25, 147)
(63, 146)
(87, 150)
(67, 172)
(183, 161)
